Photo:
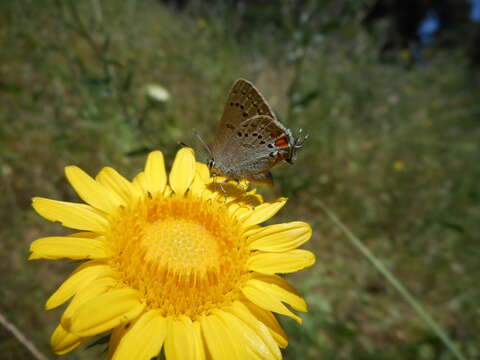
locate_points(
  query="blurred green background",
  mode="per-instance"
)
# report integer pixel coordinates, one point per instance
(394, 130)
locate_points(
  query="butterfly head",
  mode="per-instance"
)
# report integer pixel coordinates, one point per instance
(211, 165)
(214, 172)
(295, 143)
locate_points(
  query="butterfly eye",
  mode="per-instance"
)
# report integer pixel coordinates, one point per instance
(211, 164)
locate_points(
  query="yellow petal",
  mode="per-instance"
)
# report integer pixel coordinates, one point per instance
(260, 330)
(95, 289)
(180, 342)
(219, 342)
(198, 188)
(63, 342)
(155, 176)
(144, 339)
(230, 324)
(277, 280)
(91, 191)
(267, 318)
(116, 337)
(168, 191)
(83, 234)
(116, 183)
(252, 199)
(282, 290)
(77, 281)
(203, 173)
(239, 210)
(139, 182)
(57, 247)
(252, 231)
(183, 171)
(283, 263)
(72, 215)
(106, 312)
(258, 340)
(262, 213)
(202, 178)
(198, 340)
(280, 237)
(260, 294)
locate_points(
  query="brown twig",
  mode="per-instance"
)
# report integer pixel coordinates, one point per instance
(27, 344)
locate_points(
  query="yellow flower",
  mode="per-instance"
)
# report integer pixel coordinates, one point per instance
(157, 93)
(399, 165)
(202, 23)
(181, 266)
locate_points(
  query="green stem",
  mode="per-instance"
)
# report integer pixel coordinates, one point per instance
(396, 284)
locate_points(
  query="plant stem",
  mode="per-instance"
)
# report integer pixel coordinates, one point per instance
(407, 296)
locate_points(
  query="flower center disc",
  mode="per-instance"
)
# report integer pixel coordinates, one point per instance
(183, 254)
(183, 244)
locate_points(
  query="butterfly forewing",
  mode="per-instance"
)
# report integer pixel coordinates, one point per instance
(244, 101)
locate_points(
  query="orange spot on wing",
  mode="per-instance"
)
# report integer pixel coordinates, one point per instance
(282, 142)
(275, 134)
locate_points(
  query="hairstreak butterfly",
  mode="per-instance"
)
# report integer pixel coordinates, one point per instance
(250, 140)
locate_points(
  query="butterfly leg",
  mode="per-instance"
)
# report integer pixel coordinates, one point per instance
(244, 185)
(219, 183)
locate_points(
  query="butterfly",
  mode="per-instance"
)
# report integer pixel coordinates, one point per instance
(250, 140)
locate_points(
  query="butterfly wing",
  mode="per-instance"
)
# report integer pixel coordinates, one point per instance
(265, 178)
(244, 101)
(254, 147)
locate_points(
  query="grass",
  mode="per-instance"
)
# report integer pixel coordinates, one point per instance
(393, 151)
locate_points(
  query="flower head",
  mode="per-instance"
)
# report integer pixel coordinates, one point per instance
(173, 263)
(399, 165)
(157, 93)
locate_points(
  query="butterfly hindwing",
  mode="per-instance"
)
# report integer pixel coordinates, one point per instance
(252, 148)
